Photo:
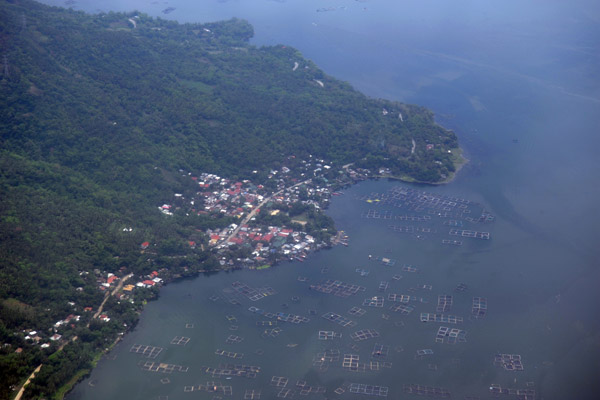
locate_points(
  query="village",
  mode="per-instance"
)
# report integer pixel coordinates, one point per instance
(271, 222)
(278, 220)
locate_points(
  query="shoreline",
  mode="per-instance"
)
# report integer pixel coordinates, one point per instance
(79, 375)
(459, 161)
(458, 165)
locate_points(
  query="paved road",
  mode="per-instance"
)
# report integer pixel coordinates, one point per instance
(253, 212)
(20, 393)
(116, 289)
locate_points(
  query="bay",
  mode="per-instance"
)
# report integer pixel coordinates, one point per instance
(518, 83)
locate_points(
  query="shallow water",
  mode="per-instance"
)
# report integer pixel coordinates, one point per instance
(519, 86)
(523, 318)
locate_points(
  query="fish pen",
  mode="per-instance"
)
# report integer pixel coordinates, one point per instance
(444, 303)
(285, 393)
(388, 262)
(479, 308)
(422, 390)
(271, 333)
(461, 287)
(231, 339)
(470, 234)
(362, 272)
(230, 370)
(364, 334)
(337, 288)
(338, 319)
(433, 317)
(370, 390)
(424, 287)
(162, 367)
(356, 311)
(180, 340)
(253, 294)
(423, 353)
(252, 394)
(402, 309)
(410, 268)
(266, 323)
(380, 350)
(322, 360)
(229, 354)
(329, 335)
(306, 389)
(211, 387)
(452, 242)
(145, 350)
(509, 362)
(279, 381)
(400, 298)
(522, 394)
(375, 301)
(450, 335)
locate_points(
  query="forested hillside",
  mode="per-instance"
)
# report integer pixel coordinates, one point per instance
(99, 114)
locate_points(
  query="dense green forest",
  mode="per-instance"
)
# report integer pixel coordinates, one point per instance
(99, 114)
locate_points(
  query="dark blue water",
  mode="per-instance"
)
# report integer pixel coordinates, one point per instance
(518, 83)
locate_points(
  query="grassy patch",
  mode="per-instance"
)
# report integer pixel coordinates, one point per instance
(63, 390)
(457, 158)
(202, 87)
(301, 219)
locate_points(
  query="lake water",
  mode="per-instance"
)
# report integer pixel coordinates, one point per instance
(518, 83)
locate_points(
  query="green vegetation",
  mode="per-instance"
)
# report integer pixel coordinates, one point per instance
(98, 120)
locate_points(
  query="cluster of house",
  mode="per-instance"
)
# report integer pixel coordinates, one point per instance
(149, 281)
(34, 337)
(105, 283)
(244, 200)
(220, 195)
(308, 182)
(217, 195)
(44, 340)
(268, 243)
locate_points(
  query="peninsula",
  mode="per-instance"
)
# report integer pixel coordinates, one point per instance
(142, 149)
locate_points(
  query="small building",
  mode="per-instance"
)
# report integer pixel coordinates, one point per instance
(148, 283)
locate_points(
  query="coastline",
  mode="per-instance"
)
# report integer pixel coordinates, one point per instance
(459, 161)
(78, 374)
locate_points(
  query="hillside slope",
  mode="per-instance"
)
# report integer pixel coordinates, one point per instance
(99, 113)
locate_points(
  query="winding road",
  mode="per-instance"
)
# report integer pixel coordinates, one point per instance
(262, 203)
(108, 294)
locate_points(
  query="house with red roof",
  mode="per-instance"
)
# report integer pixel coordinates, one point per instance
(236, 240)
